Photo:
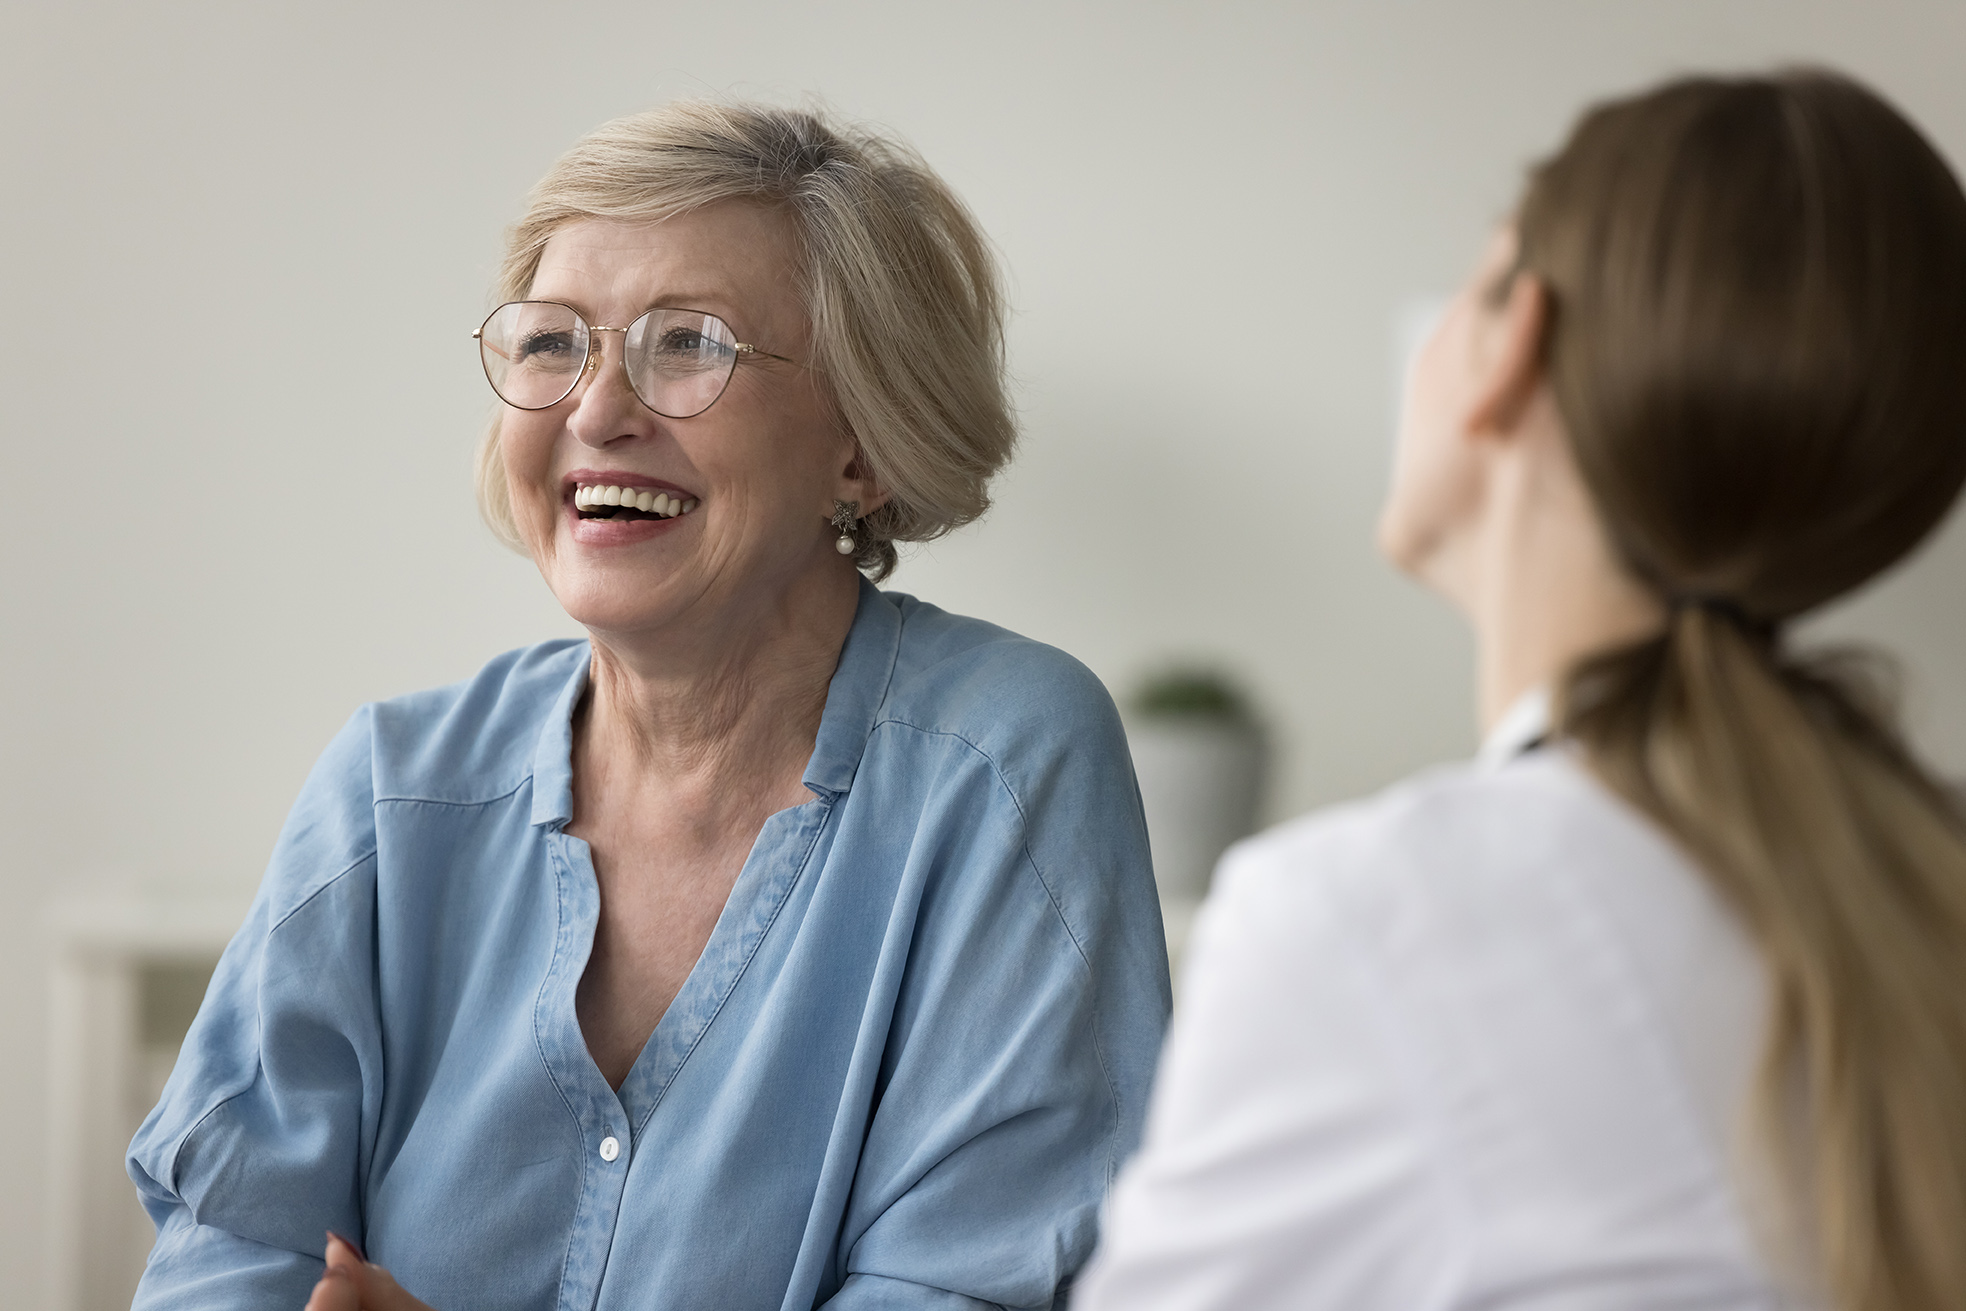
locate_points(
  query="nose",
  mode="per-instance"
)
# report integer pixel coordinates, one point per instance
(605, 407)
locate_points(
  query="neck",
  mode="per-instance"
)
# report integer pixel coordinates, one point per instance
(738, 695)
(1542, 585)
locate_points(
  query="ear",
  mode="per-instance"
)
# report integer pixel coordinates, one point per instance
(857, 483)
(1509, 363)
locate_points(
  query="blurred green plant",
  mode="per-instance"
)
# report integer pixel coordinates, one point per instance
(1193, 692)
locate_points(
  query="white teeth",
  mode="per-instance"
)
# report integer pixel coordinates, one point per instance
(662, 503)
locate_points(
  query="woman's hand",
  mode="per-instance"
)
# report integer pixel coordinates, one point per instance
(352, 1284)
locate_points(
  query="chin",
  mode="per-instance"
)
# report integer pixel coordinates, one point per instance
(1396, 541)
(610, 600)
(603, 618)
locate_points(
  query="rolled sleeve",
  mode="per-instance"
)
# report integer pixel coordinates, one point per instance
(262, 1136)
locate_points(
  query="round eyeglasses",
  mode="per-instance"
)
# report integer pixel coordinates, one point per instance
(678, 361)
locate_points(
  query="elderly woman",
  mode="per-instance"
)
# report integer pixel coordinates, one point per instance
(785, 943)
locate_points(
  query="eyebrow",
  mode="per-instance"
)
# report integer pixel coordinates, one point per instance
(703, 301)
(706, 301)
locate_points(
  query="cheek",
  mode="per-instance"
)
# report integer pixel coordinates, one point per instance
(783, 457)
(526, 446)
(1429, 482)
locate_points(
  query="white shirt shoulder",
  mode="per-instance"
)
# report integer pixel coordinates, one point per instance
(1483, 1040)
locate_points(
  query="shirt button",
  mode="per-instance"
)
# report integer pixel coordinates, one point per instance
(609, 1149)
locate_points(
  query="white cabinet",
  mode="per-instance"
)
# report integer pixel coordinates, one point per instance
(129, 974)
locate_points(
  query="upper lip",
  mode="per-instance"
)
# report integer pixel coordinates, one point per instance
(619, 478)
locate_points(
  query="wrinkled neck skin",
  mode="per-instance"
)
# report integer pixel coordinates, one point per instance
(1533, 568)
(724, 700)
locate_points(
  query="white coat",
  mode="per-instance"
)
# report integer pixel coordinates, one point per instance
(1486, 1040)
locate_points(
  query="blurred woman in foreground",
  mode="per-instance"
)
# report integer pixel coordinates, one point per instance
(1487, 1039)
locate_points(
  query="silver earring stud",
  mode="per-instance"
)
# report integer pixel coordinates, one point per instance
(845, 514)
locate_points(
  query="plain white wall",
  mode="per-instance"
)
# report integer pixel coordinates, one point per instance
(245, 245)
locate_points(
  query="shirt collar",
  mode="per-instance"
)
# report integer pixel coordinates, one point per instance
(1522, 727)
(855, 695)
(552, 758)
(853, 698)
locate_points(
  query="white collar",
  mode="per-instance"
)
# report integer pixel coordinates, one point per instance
(1522, 726)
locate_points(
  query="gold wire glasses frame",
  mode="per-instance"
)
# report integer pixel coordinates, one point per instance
(678, 361)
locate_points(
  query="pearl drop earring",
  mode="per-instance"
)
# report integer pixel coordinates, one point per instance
(845, 513)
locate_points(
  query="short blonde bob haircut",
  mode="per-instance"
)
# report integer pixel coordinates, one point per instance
(903, 292)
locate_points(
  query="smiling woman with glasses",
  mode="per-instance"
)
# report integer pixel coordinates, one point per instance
(785, 942)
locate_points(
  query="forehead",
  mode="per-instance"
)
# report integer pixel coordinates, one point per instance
(733, 258)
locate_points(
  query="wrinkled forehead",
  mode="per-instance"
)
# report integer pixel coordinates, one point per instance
(735, 259)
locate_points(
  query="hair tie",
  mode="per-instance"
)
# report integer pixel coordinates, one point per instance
(1723, 607)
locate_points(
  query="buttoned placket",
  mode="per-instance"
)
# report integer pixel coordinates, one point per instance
(608, 1146)
(598, 1115)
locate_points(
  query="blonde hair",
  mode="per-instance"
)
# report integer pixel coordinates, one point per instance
(1758, 345)
(902, 290)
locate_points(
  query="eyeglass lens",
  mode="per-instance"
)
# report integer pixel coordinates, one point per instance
(678, 361)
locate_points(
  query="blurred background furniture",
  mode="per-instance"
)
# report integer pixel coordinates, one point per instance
(129, 972)
(1201, 756)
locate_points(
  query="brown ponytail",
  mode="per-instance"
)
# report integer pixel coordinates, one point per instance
(1758, 345)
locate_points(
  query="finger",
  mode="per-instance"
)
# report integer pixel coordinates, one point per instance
(344, 1256)
(381, 1292)
(354, 1248)
(335, 1292)
(375, 1289)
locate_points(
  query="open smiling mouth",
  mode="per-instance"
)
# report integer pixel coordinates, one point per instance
(628, 503)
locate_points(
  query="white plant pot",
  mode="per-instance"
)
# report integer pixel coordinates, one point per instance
(1201, 779)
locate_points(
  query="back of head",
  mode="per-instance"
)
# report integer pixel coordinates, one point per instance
(1760, 289)
(1758, 346)
(902, 288)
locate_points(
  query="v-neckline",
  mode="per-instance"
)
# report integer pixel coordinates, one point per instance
(782, 849)
(784, 843)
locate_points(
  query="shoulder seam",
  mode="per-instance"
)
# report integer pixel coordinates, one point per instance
(1023, 820)
(308, 900)
(1030, 858)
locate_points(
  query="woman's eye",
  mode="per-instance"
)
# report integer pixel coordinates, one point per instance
(545, 347)
(684, 341)
(677, 342)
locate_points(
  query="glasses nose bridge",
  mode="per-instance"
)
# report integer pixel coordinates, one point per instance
(596, 353)
(591, 385)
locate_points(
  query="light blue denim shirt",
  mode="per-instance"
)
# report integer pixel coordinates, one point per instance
(902, 1074)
